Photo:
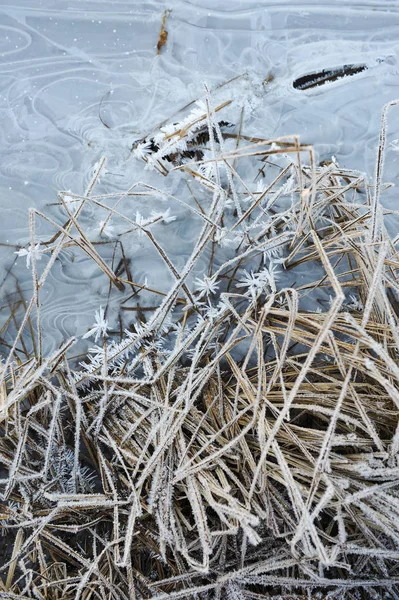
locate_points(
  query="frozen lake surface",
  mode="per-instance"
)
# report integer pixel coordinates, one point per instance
(64, 64)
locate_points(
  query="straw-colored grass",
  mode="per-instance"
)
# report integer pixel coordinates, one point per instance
(241, 440)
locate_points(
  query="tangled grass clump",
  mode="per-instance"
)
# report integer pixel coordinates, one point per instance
(241, 441)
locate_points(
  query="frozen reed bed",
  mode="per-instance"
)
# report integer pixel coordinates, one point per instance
(237, 437)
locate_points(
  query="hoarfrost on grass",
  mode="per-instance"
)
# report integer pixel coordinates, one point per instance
(227, 433)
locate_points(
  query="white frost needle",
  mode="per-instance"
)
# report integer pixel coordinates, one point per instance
(225, 239)
(100, 326)
(165, 216)
(106, 229)
(256, 282)
(30, 252)
(206, 286)
(142, 150)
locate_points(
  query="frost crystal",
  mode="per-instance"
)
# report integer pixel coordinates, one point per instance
(355, 303)
(224, 238)
(142, 150)
(100, 326)
(256, 282)
(31, 251)
(106, 229)
(206, 286)
(141, 221)
(165, 216)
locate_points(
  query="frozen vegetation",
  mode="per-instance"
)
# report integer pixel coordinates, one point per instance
(199, 385)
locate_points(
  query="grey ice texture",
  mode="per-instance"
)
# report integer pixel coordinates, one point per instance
(60, 59)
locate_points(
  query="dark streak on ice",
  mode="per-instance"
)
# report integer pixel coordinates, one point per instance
(312, 80)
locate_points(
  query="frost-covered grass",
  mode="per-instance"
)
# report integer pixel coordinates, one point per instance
(238, 436)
